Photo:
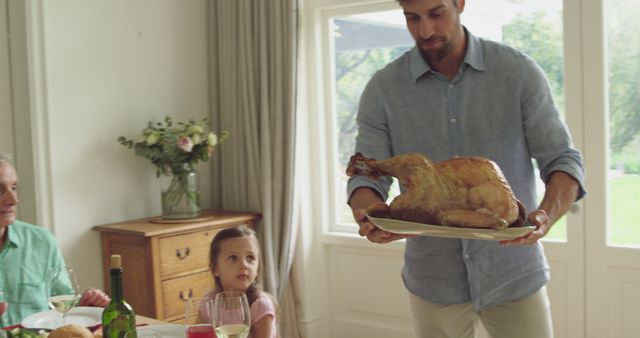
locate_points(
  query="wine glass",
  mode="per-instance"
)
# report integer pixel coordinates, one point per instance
(193, 328)
(64, 302)
(231, 316)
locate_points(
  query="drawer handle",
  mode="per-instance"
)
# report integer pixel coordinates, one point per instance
(183, 253)
(189, 295)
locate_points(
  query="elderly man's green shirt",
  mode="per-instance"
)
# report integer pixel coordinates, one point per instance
(28, 259)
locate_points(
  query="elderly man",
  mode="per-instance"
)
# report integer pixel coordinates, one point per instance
(28, 254)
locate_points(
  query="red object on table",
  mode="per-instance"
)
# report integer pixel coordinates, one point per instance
(10, 327)
(200, 331)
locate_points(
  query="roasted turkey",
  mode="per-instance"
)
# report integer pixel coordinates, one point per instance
(461, 192)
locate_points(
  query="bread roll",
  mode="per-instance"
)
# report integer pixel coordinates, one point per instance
(71, 331)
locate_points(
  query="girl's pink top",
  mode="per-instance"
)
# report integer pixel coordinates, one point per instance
(263, 306)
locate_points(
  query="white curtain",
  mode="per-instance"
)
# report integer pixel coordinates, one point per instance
(253, 69)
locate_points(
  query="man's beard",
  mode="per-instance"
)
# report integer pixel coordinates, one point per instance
(437, 54)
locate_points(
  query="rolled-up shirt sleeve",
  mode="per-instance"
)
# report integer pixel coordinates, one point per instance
(547, 135)
(373, 140)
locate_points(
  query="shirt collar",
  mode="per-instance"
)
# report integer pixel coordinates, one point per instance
(473, 57)
(13, 237)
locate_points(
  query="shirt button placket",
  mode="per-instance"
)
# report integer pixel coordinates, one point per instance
(454, 137)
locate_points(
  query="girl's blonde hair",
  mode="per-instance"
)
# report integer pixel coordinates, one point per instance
(254, 290)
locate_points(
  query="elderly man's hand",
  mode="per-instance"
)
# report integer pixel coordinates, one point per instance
(94, 297)
(3, 307)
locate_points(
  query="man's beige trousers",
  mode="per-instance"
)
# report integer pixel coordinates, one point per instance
(529, 317)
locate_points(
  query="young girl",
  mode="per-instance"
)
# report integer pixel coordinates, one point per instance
(234, 260)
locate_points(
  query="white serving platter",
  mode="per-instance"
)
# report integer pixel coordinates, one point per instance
(412, 228)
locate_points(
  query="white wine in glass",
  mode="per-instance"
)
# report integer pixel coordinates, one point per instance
(231, 315)
(63, 303)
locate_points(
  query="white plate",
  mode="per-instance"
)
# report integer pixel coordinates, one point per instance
(412, 228)
(86, 316)
(161, 331)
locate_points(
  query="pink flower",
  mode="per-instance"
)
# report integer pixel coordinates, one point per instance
(185, 144)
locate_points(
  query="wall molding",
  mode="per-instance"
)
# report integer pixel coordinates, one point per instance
(39, 122)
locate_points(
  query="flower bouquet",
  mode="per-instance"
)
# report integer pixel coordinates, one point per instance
(174, 149)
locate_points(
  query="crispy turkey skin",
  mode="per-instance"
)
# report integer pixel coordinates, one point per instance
(461, 192)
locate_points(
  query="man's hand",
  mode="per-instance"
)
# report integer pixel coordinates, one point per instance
(561, 191)
(3, 307)
(94, 297)
(360, 200)
(540, 219)
(373, 233)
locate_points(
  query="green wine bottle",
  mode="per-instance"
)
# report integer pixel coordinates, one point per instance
(118, 318)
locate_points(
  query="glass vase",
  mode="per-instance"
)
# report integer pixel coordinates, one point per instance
(180, 194)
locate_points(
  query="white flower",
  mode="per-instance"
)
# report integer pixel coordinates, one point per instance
(212, 139)
(185, 144)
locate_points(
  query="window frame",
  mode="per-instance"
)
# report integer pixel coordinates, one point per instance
(335, 188)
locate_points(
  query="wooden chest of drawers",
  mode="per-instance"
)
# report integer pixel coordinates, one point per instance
(165, 263)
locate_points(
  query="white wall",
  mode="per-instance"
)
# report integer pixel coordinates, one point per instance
(104, 69)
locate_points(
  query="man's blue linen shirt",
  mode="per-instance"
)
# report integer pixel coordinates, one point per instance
(498, 106)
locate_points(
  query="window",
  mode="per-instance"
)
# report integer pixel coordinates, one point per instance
(362, 44)
(364, 40)
(623, 68)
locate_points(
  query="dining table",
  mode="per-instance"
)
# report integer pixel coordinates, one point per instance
(140, 322)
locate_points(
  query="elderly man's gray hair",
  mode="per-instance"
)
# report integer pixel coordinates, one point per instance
(5, 158)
